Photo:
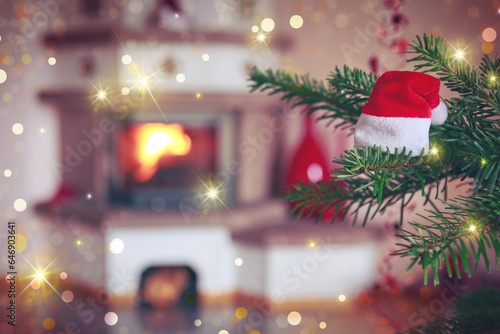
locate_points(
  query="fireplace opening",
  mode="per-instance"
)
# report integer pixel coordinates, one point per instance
(167, 288)
(164, 156)
(156, 165)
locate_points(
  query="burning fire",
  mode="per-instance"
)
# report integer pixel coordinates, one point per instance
(155, 140)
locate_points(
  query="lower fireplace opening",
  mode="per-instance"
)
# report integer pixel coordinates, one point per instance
(166, 288)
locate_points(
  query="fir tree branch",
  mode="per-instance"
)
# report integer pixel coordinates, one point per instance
(475, 312)
(352, 82)
(459, 76)
(371, 178)
(452, 232)
(315, 96)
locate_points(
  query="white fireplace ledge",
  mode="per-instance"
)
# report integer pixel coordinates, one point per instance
(270, 212)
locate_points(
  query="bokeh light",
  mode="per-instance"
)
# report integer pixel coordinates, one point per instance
(20, 205)
(52, 61)
(296, 21)
(342, 298)
(322, 325)
(126, 59)
(425, 293)
(294, 318)
(180, 78)
(241, 313)
(26, 58)
(267, 24)
(197, 322)
(21, 243)
(63, 275)
(489, 34)
(3, 76)
(17, 128)
(487, 47)
(111, 318)
(67, 296)
(205, 57)
(49, 323)
(238, 261)
(473, 12)
(7, 173)
(116, 246)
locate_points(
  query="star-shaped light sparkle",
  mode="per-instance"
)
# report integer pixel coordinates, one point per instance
(101, 95)
(212, 194)
(472, 228)
(312, 243)
(261, 38)
(459, 53)
(143, 82)
(40, 276)
(198, 96)
(89, 196)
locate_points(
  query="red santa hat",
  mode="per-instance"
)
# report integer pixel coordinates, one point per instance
(402, 107)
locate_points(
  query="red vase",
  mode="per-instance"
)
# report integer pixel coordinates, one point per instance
(309, 165)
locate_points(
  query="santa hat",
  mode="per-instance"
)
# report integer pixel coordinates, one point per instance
(402, 107)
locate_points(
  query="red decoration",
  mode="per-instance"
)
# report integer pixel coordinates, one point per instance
(387, 35)
(400, 46)
(309, 165)
(374, 63)
(403, 94)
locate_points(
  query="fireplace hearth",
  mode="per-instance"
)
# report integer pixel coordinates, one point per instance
(155, 164)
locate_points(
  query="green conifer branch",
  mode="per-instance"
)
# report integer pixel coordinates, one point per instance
(341, 105)
(475, 312)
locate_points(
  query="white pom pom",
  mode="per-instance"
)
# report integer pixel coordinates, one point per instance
(439, 114)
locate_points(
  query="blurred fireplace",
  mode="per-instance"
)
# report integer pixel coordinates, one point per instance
(168, 298)
(168, 287)
(155, 164)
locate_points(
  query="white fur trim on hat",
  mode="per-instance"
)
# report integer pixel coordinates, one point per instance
(393, 132)
(439, 114)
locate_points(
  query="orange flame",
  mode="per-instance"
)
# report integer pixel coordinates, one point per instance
(155, 140)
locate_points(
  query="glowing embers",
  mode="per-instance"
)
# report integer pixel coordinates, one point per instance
(172, 288)
(150, 143)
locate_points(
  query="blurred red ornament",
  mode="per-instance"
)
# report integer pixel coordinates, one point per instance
(309, 165)
(398, 20)
(400, 46)
(373, 63)
(381, 32)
